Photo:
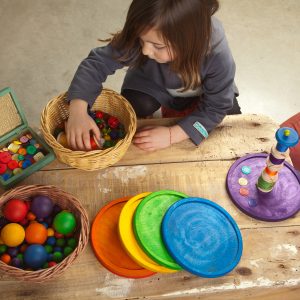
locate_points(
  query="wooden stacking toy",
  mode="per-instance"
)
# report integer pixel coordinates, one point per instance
(267, 187)
(286, 137)
(165, 231)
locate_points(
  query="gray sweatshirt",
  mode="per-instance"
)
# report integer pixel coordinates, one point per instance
(217, 87)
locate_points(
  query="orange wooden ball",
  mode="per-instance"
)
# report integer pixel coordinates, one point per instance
(31, 216)
(36, 233)
(5, 258)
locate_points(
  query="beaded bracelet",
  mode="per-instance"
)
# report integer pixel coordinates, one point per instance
(170, 135)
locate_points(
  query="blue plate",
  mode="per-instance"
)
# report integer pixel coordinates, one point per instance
(202, 237)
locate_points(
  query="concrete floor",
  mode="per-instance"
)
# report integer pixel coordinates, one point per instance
(43, 41)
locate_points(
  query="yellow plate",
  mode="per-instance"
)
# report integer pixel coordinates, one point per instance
(128, 240)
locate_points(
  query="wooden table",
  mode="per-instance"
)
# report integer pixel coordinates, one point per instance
(270, 264)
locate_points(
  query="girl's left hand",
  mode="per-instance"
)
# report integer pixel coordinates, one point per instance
(152, 138)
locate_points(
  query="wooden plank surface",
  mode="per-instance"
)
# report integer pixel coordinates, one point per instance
(270, 264)
(267, 264)
(199, 179)
(271, 250)
(236, 136)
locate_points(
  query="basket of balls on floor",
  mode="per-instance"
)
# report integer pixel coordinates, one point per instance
(42, 231)
(115, 118)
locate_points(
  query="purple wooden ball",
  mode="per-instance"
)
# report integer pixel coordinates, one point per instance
(13, 251)
(41, 206)
(17, 262)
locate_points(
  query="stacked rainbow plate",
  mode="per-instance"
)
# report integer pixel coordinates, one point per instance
(166, 231)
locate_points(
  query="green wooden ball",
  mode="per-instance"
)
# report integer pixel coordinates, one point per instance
(64, 222)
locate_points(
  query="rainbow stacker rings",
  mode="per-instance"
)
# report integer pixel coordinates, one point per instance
(266, 187)
(166, 231)
(286, 137)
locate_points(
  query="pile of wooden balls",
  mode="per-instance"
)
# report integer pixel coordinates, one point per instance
(19, 154)
(36, 233)
(111, 129)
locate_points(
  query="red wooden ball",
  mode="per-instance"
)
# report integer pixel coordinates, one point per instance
(15, 210)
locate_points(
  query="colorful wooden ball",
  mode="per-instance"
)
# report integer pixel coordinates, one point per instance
(58, 235)
(51, 241)
(16, 262)
(57, 249)
(12, 234)
(58, 256)
(50, 232)
(12, 251)
(35, 256)
(60, 242)
(113, 122)
(99, 114)
(52, 264)
(31, 216)
(72, 243)
(20, 256)
(36, 233)
(48, 248)
(64, 222)
(15, 210)
(3, 249)
(23, 248)
(42, 206)
(67, 251)
(5, 258)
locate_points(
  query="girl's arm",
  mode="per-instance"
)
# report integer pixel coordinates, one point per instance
(83, 91)
(217, 99)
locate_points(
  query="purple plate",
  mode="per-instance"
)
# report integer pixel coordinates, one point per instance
(279, 204)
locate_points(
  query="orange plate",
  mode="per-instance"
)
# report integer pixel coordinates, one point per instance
(107, 245)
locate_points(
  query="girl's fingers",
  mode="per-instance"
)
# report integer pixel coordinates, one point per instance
(71, 141)
(86, 141)
(96, 131)
(141, 140)
(79, 142)
(145, 146)
(141, 134)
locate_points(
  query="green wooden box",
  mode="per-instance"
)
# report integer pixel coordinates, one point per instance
(13, 126)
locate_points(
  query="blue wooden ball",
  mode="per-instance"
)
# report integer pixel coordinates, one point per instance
(35, 256)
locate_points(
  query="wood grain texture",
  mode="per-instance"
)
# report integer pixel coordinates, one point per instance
(270, 264)
(236, 136)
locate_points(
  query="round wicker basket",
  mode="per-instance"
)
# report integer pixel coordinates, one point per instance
(66, 201)
(56, 112)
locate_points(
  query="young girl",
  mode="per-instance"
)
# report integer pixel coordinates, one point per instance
(177, 56)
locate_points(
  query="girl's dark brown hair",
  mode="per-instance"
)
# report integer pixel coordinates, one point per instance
(185, 25)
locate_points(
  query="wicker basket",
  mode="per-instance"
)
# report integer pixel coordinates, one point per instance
(56, 112)
(66, 201)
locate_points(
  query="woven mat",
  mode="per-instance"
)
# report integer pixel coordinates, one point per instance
(10, 117)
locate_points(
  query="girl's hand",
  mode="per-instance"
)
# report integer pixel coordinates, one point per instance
(152, 138)
(79, 126)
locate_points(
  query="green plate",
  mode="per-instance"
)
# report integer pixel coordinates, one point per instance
(147, 225)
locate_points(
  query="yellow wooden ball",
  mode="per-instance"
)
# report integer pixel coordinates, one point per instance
(12, 234)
